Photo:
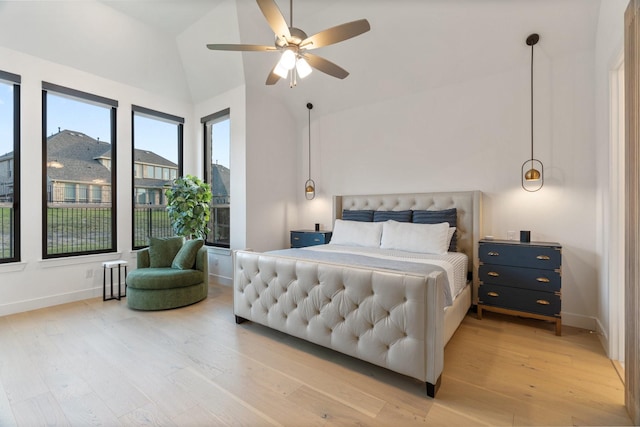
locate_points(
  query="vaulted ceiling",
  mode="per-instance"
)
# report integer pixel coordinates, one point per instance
(413, 45)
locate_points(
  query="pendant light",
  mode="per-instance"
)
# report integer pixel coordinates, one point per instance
(532, 172)
(309, 186)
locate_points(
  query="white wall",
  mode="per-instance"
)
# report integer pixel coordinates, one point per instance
(272, 157)
(34, 282)
(609, 47)
(474, 136)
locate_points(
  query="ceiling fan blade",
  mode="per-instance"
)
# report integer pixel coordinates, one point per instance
(241, 47)
(336, 34)
(272, 78)
(275, 19)
(325, 66)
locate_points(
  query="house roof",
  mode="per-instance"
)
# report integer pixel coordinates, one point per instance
(71, 156)
(151, 158)
(221, 178)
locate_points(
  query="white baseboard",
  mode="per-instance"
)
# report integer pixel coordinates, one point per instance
(579, 321)
(603, 335)
(48, 301)
(223, 280)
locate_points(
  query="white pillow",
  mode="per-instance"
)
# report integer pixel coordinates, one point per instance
(356, 233)
(410, 237)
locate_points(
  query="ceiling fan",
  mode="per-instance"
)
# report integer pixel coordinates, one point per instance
(294, 44)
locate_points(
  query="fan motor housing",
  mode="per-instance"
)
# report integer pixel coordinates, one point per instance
(297, 36)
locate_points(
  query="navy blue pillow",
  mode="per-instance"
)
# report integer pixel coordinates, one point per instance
(400, 216)
(357, 215)
(436, 217)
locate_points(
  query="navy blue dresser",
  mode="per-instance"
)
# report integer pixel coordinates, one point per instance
(302, 238)
(522, 279)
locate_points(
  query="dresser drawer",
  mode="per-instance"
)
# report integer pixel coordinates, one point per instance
(301, 239)
(522, 255)
(544, 303)
(520, 277)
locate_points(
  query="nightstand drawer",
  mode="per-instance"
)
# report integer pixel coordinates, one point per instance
(519, 277)
(301, 239)
(544, 303)
(521, 255)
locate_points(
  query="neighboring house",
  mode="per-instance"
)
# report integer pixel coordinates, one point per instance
(79, 171)
(6, 177)
(152, 175)
(220, 200)
(220, 179)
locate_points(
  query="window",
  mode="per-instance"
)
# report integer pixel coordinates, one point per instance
(9, 167)
(78, 151)
(157, 161)
(218, 175)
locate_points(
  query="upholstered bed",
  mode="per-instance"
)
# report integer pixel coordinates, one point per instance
(376, 311)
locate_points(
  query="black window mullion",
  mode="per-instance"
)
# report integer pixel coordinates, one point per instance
(16, 173)
(114, 183)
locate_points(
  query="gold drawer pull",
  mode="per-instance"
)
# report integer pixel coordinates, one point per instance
(493, 253)
(543, 280)
(316, 240)
(493, 274)
(543, 302)
(296, 238)
(494, 294)
(543, 257)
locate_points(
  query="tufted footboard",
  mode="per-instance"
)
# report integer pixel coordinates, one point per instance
(388, 318)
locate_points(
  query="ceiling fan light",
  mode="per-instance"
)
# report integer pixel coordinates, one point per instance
(281, 71)
(303, 68)
(288, 59)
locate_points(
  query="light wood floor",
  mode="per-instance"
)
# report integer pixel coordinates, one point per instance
(99, 363)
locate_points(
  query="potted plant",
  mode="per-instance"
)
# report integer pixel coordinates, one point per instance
(188, 207)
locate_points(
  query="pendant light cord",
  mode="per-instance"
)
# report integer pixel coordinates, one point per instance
(532, 104)
(309, 107)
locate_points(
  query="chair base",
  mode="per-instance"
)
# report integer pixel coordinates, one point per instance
(163, 299)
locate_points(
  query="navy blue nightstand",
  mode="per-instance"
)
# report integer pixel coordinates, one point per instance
(302, 238)
(522, 279)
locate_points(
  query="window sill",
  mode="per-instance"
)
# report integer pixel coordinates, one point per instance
(219, 251)
(79, 259)
(12, 266)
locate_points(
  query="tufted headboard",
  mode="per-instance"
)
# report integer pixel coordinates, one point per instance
(467, 203)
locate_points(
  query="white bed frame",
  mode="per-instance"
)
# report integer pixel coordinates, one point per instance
(391, 319)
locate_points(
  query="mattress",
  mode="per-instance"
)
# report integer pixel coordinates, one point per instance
(453, 264)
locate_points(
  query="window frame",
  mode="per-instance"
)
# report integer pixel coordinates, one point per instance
(208, 178)
(149, 171)
(15, 80)
(90, 98)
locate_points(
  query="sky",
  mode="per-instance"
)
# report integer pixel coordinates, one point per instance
(94, 120)
(6, 118)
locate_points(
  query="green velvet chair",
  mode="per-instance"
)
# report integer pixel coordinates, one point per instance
(170, 273)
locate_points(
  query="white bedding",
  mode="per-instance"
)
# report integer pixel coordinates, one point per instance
(453, 263)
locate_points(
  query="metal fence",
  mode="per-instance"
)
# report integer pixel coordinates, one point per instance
(150, 221)
(73, 229)
(219, 224)
(6, 232)
(82, 228)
